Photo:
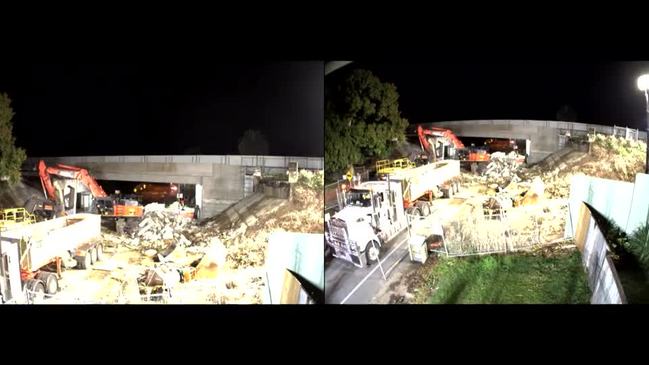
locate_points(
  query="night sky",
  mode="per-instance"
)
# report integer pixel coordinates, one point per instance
(600, 93)
(165, 109)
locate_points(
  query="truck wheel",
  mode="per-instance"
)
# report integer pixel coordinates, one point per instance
(424, 208)
(51, 284)
(37, 290)
(93, 255)
(416, 211)
(372, 252)
(100, 252)
(83, 262)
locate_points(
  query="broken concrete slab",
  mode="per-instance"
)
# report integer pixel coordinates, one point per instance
(214, 259)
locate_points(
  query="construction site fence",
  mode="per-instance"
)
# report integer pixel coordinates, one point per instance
(625, 203)
(490, 231)
(603, 279)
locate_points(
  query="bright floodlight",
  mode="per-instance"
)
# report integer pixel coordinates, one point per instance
(643, 82)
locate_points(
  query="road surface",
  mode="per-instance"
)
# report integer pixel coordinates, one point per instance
(348, 284)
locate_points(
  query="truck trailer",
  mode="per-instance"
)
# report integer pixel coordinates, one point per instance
(31, 256)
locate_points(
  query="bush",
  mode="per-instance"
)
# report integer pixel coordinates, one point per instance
(638, 245)
(313, 180)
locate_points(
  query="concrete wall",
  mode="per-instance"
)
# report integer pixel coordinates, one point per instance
(222, 188)
(222, 177)
(182, 173)
(544, 134)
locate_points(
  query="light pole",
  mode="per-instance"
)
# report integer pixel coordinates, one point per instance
(643, 85)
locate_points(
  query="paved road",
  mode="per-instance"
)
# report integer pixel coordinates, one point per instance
(348, 284)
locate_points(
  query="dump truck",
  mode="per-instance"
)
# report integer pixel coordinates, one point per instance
(420, 185)
(374, 212)
(32, 256)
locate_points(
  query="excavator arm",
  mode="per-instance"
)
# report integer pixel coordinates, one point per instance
(48, 187)
(107, 207)
(69, 172)
(429, 136)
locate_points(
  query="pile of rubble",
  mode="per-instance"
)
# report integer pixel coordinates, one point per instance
(159, 228)
(610, 158)
(503, 168)
(163, 225)
(228, 249)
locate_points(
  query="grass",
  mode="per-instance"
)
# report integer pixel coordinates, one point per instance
(507, 279)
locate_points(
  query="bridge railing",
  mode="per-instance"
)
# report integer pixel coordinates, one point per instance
(574, 126)
(312, 163)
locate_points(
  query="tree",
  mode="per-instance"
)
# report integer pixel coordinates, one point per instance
(362, 120)
(253, 142)
(11, 157)
(567, 113)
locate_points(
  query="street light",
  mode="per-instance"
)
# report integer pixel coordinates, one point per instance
(643, 85)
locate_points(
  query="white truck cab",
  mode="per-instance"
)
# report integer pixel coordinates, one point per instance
(373, 214)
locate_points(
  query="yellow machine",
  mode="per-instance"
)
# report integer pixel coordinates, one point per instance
(388, 167)
(15, 216)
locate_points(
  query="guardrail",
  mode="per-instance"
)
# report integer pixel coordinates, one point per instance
(311, 163)
(572, 126)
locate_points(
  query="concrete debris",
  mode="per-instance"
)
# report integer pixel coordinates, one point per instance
(213, 260)
(154, 207)
(183, 241)
(160, 275)
(503, 167)
(223, 256)
(174, 207)
(162, 225)
(150, 252)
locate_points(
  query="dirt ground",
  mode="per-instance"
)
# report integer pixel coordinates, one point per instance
(403, 288)
(407, 286)
(239, 280)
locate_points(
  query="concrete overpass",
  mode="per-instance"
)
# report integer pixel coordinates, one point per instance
(221, 180)
(543, 136)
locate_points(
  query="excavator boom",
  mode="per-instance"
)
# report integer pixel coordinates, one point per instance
(423, 133)
(69, 172)
(428, 138)
(109, 206)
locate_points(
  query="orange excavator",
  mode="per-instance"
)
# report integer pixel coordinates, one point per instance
(75, 190)
(434, 140)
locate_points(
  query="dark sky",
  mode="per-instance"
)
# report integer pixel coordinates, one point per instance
(165, 109)
(600, 93)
